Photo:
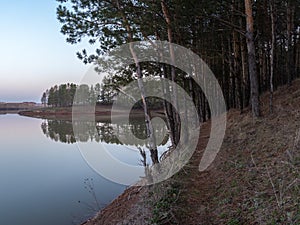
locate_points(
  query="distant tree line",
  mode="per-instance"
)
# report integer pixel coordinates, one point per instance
(113, 83)
(64, 95)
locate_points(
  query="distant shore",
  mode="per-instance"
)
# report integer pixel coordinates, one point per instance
(65, 113)
(13, 107)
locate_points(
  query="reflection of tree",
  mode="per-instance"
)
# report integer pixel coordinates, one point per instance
(60, 130)
(105, 133)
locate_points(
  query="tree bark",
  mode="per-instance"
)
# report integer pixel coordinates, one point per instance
(272, 54)
(290, 24)
(173, 75)
(150, 130)
(237, 70)
(252, 60)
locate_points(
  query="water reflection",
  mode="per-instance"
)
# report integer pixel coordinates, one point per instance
(131, 151)
(43, 180)
(58, 130)
(62, 131)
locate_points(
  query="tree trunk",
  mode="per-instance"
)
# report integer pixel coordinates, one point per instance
(168, 108)
(231, 76)
(297, 60)
(150, 130)
(273, 41)
(225, 75)
(237, 70)
(173, 75)
(245, 80)
(289, 23)
(252, 60)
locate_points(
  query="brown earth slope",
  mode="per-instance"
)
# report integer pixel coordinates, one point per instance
(255, 178)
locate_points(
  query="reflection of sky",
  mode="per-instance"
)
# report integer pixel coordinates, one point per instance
(130, 154)
(120, 163)
(18, 130)
(106, 157)
(41, 179)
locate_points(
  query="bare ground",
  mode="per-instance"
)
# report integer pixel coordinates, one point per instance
(255, 178)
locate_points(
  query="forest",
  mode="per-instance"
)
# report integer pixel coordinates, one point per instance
(253, 49)
(63, 95)
(251, 46)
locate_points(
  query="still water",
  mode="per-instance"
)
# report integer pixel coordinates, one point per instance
(43, 176)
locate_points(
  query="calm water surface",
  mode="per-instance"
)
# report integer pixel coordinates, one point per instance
(43, 177)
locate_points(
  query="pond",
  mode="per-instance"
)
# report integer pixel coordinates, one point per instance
(43, 177)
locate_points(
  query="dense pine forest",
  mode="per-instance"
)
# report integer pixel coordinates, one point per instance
(253, 49)
(63, 95)
(251, 46)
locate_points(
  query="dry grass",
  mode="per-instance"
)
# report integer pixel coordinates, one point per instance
(255, 178)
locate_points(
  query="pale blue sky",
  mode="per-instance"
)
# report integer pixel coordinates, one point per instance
(33, 53)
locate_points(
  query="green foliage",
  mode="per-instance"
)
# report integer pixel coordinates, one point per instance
(64, 94)
(234, 222)
(163, 208)
(206, 27)
(215, 30)
(60, 130)
(60, 95)
(44, 99)
(97, 21)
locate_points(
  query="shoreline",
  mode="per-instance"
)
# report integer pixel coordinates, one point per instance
(66, 113)
(119, 208)
(132, 205)
(239, 174)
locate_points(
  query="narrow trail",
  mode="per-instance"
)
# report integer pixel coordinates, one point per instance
(197, 185)
(125, 206)
(254, 179)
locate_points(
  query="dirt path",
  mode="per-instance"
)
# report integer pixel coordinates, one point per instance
(254, 179)
(130, 208)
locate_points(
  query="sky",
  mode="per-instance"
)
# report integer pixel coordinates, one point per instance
(34, 55)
